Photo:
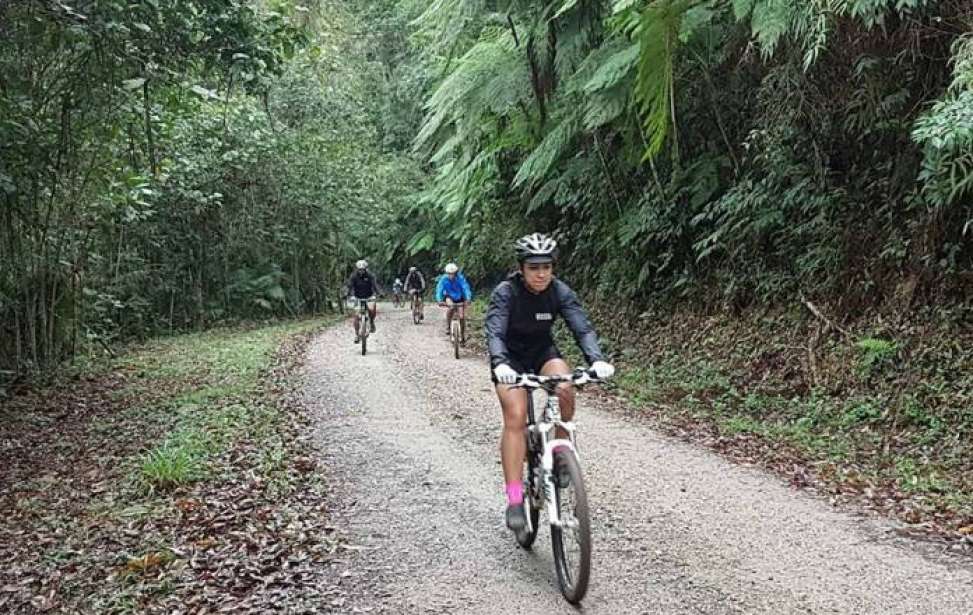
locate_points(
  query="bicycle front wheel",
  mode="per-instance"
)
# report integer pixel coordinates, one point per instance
(571, 541)
(364, 334)
(454, 328)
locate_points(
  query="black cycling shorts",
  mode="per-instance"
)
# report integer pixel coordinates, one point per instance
(531, 364)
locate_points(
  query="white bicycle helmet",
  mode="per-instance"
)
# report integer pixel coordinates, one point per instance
(411, 269)
(451, 268)
(536, 248)
(362, 264)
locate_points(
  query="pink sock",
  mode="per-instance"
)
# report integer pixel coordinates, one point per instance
(515, 494)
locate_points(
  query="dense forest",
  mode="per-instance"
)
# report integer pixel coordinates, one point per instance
(729, 152)
(177, 163)
(172, 164)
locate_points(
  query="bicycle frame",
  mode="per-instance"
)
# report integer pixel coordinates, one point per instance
(453, 312)
(550, 421)
(544, 430)
(364, 315)
(363, 307)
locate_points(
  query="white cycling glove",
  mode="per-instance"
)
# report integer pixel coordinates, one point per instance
(603, 370)
(505, 374)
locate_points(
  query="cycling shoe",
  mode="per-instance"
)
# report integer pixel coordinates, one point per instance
(516, 519)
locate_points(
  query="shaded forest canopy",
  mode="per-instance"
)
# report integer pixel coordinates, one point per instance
(174, 163)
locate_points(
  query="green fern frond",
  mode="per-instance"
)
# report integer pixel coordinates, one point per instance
(578, 31)
(606, 106)
(567, 6)
(809, 23)
(430, 126)
(536, 166)
(445, 21)
(659, 39)
(490, 77)
(421, 241)
(447, 148)
(872, 12)
(566, 187)
(544, 194)
(617, 67)
(743, 8)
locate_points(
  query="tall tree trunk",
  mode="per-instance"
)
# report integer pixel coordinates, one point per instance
(149, 136)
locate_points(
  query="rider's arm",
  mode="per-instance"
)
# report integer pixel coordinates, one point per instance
(578, 322)
(351, 285)
(422, 283)
(467, 293)
(376, 289)
(497, 318)
(440, 287)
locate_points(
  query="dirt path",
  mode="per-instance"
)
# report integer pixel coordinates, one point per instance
(409, 438)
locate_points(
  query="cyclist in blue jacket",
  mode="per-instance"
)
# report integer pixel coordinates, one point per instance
(452, 288)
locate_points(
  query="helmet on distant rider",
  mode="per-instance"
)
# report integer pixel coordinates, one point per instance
(536, 248)
(361, 265)
(451, 268)
(411, 269)
(398, 281)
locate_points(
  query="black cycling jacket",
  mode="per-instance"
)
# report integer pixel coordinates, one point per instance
(519, 322)
(414, 280)
(362, 285)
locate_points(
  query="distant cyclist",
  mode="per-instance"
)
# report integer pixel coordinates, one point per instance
(522, 311)
(363, 285)
(415, 285)
(397, 291)
(453, 291)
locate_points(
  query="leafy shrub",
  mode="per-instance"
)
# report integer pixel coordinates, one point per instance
(875, 355)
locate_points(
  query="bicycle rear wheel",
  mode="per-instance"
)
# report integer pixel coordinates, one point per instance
(526, 538)
(571, 541)
(415, 312)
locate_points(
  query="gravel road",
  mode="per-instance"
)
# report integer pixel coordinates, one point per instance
(409, 440)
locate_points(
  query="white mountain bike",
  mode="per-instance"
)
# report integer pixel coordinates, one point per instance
(553, 481)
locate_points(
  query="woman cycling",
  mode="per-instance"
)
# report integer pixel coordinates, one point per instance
(522, 312)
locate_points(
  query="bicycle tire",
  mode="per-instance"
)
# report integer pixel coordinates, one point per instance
(572, 578)
(454, 329)
(364, 334)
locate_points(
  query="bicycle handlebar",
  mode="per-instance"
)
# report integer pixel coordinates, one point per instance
(577, 378)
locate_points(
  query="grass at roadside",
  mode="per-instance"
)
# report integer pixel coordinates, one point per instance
(882, 416)
(165, 480)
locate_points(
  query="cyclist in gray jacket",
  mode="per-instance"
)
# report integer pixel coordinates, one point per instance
(415, 284)
(519, 320)
(363, 285)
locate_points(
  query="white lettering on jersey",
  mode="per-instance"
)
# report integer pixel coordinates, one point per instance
(543, 316)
